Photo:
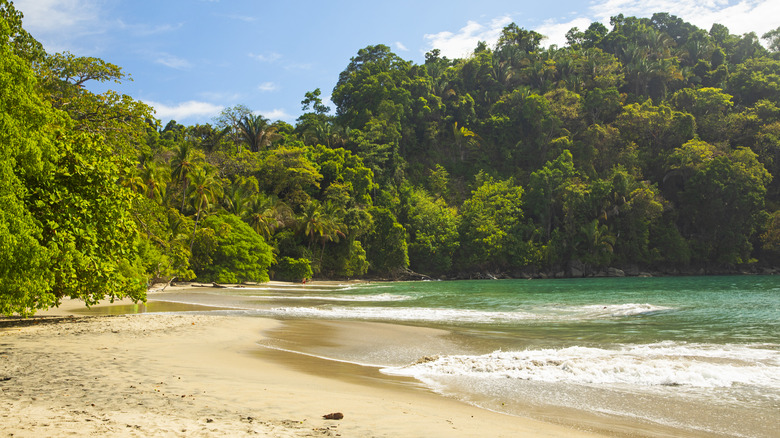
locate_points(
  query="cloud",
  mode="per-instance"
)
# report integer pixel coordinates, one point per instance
(399, 46)
(56, 15)
(185, 110)
(172, 61)
(740, 16)
(143, 29)
(277, 114)
(462, 43)
(244, 18)
(271, 57)
(217, 96)
(268, 86)
(556, 32)
(58, 23)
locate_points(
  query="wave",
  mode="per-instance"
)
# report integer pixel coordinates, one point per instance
(615, 310)
(351, 298)
(451, 315)
(420, 314)
(662, 364)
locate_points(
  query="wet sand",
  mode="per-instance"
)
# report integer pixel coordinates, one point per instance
(196, 374)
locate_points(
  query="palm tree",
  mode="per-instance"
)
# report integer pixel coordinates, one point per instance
(464, 137)
(155, 178)
(255, 131)
(322, 223)
(266, 214)
(205, 190)
(184, 160)
(595, 241)
(310, 222)
(238, 195)
(134, 182)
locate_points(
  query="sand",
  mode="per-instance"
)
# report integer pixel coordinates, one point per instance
(206, 375)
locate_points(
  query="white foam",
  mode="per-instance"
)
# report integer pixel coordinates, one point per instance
(664, 364)
(470, 316)
(351, 298)
(405, 314)
(617, 310)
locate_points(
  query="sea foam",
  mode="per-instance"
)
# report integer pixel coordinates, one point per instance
(663, 364)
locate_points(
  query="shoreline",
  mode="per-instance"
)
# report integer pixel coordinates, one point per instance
(300, 363)
(199, 374)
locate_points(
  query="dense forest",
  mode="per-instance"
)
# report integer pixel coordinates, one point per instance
(650, 146)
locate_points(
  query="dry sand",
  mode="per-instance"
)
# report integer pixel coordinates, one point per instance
(205, 375)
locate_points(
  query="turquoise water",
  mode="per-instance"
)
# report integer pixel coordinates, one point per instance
(699, 354)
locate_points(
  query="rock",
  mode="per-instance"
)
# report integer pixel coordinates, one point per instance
(632, 271)
(615, 272)
(333, 416)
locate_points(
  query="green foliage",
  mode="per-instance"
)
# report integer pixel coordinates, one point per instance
(721, 206)
(290, 269)
(493, 233)
(652, 142)
(386, 247)
(433, 233)
(226, 250)
(65, 223)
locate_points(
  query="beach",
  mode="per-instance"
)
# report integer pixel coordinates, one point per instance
(543, 358)
(196, 374)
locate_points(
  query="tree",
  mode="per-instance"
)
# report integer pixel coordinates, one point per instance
(66, 228)
(386, 247)
(493, 232)
(226, 250)
(525, 40)
(287, 173)
(722, 203)
(255, 131)
(205, 191)
(119, 119)
(433, 233)
(267, 213)
(773, 39)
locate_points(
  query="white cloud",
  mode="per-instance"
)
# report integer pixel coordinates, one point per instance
(56, 15)
(462, 43)
(224, 96)
(739, 16)
(184, 110)
(244, 18)
(277, 114)
(271, 57)
(268, 86)
(172, 61)
(556, 32)
(143, 29)
(400, 46)
(58, 23)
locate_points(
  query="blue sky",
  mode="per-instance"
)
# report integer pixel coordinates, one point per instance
(189, 59)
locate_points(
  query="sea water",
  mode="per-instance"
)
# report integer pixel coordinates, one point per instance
(696, 354)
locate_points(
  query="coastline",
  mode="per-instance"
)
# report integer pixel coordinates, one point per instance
(175, 374)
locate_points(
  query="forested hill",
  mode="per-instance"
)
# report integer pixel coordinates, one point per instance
(650, 145)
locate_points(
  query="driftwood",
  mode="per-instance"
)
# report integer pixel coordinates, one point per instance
(333, 416)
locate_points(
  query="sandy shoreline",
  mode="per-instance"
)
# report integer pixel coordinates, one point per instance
(206, 375)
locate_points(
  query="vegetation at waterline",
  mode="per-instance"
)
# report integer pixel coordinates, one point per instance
(651, 144)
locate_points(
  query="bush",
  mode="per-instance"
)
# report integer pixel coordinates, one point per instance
(226, 250)
(290, 269)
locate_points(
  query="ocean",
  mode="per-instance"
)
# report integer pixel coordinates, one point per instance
(695, 355)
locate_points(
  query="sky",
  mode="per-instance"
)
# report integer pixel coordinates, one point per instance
(190, 59)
